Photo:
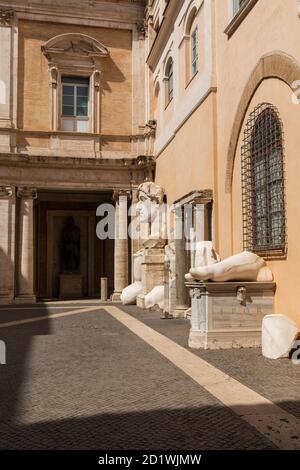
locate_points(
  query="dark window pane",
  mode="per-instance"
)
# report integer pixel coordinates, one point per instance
(82, 101)
(82, 91)
(82, 111)
(68, 110)
(68, 90)
(76, 80)
(68, 100)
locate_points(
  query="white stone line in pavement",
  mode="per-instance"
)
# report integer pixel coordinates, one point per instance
(47, 317)
(277, 425)
(65, 307)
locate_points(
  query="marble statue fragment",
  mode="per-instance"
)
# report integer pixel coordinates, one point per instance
(245, 266)
(278, 336)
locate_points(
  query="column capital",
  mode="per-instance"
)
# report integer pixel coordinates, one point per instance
(27, 193)
(6, 16)
(5, 192)
(121, 193)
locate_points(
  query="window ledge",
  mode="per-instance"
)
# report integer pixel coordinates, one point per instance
(239, 17)
(191, 79)
(168, 103)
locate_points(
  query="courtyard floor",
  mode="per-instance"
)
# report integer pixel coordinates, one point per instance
(86, 375)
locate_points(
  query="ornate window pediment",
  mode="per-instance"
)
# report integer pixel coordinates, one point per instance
(70, 47)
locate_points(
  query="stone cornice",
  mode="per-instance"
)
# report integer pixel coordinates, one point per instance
(127, 11)
(203, 196)
(164, 32)
(23, 160)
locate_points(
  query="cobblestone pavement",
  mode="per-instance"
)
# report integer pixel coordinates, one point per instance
(86, 382)
(279, 381)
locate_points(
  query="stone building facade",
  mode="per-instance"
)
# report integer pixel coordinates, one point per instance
(225, 92)
(73, 135)
(185, 89)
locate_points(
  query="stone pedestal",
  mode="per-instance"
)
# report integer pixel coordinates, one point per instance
(70, 286)
(153, 272)
(229, 314)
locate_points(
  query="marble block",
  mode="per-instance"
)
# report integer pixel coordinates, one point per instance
(228, 314)
(278, 336)
(153, 272)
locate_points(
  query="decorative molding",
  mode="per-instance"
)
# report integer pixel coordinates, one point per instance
(53, 76)
(6, 16)
(27, 193)
(196, 293)
(141, 28)
(5, 192)
(97, 79)
(74, 53)
(204, 196)
(121, 193)
(71, 46)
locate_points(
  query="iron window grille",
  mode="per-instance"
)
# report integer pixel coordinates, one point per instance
(263, 189)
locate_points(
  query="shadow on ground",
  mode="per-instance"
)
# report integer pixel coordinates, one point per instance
(18, 343)
(206, 428)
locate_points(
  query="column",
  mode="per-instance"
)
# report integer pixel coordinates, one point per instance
(7, 244)
(121, 243)
(181, 262)
(25, 251)
(7, 82)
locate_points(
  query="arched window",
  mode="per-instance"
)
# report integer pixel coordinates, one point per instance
(263, 183)
(192, 44)
(169, 81)
(156, 106)
(194, 51)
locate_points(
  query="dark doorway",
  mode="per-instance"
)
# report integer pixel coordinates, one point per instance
(70, 258)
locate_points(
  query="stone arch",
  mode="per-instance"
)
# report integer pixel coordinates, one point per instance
(191, 15)
(276, 64)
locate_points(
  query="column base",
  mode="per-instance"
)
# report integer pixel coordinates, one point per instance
(116, 297)
(180, 311)
(6, 299)
(25, 299)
